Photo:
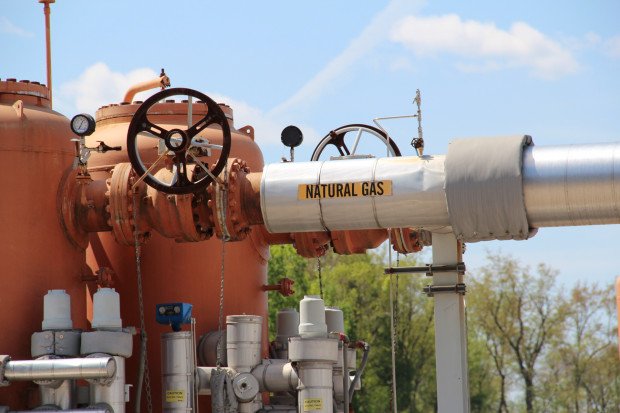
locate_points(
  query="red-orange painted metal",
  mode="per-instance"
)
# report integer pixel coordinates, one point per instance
(179, 271)
(36, 254)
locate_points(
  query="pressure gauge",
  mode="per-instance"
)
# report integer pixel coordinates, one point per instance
(83, 124)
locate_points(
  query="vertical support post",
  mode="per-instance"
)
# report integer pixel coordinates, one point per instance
(48, 44)
(450, 331)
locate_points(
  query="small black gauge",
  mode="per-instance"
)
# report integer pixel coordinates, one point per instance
(292, 136)
(83, 124)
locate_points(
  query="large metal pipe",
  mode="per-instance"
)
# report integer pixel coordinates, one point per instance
(567, 185)
(344, 195)
(75, 368)
(178, 380)
(572, 185)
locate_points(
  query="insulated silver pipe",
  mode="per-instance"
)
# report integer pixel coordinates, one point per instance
(568, 185)
(75, 368)
(572, 185)
(354, 194)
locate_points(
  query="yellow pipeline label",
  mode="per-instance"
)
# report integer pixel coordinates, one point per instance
(313, 404)
(174, 396)
(345, 190)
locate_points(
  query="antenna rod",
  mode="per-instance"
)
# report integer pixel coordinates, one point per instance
(48, 45)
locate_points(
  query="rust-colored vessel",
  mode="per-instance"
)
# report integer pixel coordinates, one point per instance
(36, 254)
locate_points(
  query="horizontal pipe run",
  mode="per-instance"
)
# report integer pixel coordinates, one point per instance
(572, 185)
(276, 375)
(568, 185)
(75, 368)
(354, 194)
(97, 410)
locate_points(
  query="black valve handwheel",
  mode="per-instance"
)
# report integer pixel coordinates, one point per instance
(179, 144)
(336, 138)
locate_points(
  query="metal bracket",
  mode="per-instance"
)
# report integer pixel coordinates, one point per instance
(431, 290)
(429, 269)
(4, 359)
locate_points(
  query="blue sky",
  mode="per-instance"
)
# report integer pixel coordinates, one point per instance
(548, 69)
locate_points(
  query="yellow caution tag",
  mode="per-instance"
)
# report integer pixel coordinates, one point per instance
(174, 396)
(313, 404)
(345, 190)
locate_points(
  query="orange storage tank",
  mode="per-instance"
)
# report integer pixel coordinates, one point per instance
(173, 271)
(36, 255)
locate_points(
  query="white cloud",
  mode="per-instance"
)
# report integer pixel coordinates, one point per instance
(267, 127)
(370, 36)
(612, 46)
(401, 63)
(7, 27)
(99, 86)
(520, 46)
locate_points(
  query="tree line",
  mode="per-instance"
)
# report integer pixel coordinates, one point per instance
(534, 345)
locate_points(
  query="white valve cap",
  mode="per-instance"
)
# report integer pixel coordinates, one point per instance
(57, 310)
(334, 319)
(107, 310)
(287, 324)
(312, 317)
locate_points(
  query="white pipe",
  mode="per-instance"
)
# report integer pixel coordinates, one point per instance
(112, 394)
(276, 376)
(75, 368)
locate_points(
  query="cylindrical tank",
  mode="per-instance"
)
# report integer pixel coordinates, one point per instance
(172, 271)
(36, 254)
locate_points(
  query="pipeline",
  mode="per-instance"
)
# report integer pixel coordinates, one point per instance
(481, 194)
(53, 369)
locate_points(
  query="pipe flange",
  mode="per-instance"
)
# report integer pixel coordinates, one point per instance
(4, 359)
(120, 206)
(408, 240)
(246, 387)
(174, 215)
(311, 244)
(228, 217)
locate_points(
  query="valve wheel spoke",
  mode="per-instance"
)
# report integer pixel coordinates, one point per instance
(181, 143)
(336, 138)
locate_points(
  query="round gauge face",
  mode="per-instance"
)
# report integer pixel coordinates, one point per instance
(83, 124)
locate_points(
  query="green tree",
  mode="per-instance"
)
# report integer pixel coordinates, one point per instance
(520, 310)
(584, 371)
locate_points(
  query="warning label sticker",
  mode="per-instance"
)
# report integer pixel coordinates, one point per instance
(174, 396)
(345, 190)
(313, 404)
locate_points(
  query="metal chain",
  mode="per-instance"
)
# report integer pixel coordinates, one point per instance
(318, 260)
(394, 403)
(396, 306)
(224, 205)
(147, 380)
